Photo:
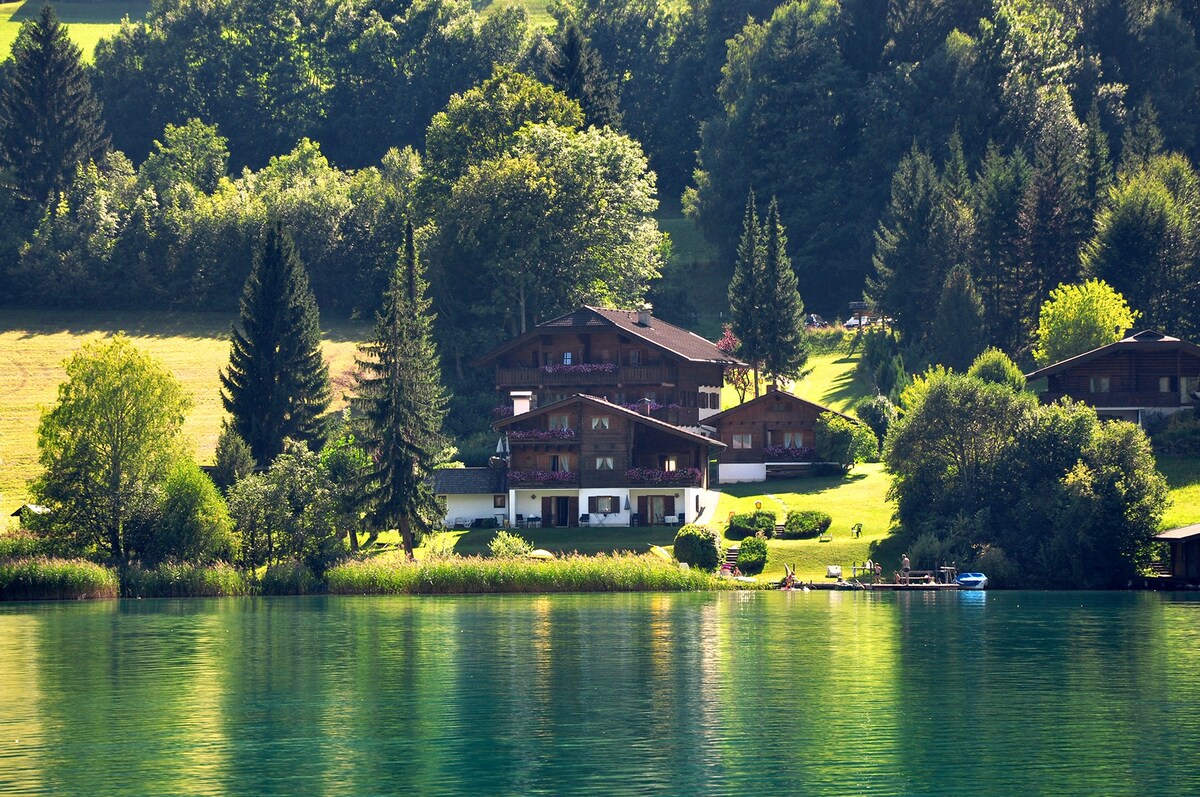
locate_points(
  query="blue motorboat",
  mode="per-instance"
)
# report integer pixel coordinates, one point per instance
(971, 581)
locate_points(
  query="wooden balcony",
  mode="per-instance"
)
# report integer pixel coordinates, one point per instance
(1119, 399)
(626, 375)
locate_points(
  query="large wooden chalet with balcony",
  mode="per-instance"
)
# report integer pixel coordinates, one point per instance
(626, 357)
(1137, 377)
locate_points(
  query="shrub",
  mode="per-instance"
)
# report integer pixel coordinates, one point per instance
(843, 441)
(878, 413)
(752, 555)
(509, 546)
(996, 367)
(750, 523)
(22, 544)
(184, 580)
(1179, 436)
(698, 546)
(44, 578)
(194, 521)
(289, 578)
(805, 524)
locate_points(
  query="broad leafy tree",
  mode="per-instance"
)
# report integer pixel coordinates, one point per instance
(401, 402)
(111, 437)
(49, 119)
(277, 383)
(1079, 318)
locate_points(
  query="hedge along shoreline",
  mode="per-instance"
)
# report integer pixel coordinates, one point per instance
(575, 573)
(43, 578)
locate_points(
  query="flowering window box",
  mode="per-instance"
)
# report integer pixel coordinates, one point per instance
(789, 454)
(542, 477)
(685, 477)
(541, 434)
(581, 368)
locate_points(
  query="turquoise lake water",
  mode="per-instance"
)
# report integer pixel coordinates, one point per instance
(1001, 693)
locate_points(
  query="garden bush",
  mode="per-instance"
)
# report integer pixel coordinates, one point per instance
(752, 555)
(1179, 436)
(698, 546)
(44, 578)
(509, 546)
(750, 523)
(184, 580)
(805, 524)
(289, 578)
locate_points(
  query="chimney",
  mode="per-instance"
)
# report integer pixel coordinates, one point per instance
(644, 314)
(521, 400)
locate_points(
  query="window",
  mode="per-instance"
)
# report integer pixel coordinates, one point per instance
(742, 440)
(703, 399)
(1099, 384)
(793, 440)
(560, 463)
(667, 463)
(606, 355)
(1164, 384)
(600, 422)
(714, 400)
(604, 504)
(635, 357)
(499, 501)
(604, 463)
(566, 358)
(560, 421)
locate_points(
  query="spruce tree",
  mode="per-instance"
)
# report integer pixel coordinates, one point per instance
(1142, 140)
(401, 402)
(576, 70)
(786, 349)
(1000, 279)
(958, 325)
(749, 298)
(49, 119)
(277, 383)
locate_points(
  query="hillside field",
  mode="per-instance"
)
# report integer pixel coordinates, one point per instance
(87, 23)
(194, 346)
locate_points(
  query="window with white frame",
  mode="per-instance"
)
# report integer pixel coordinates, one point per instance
(604, 463)
(566, 358)
(743, 441)
(560, 421)
(600, 422)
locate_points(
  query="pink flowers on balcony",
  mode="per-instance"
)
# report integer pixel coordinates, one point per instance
(581, 368)
(541, 434)
(790, 453)
(683, 476)
(542, 476)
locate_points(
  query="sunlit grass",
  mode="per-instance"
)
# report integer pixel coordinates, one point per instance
(1183, 480)
(43, 578)
(538, 10)
(194, 346)
(87, 23)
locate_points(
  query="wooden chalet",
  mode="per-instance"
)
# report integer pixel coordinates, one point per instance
(1145, 374)
(767, 436)
(626, 357)
(587, 460)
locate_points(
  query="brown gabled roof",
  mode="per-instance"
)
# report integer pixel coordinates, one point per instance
(1146, 340)
(659, 333)
(1179, 534)
(776, 394)
(596, 401)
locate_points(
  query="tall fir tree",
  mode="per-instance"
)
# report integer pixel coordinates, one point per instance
(1142, 140)
(1098, 162)
(574, 68)
(995, 251)
(749, 294)
(786, 349)
(277, 382)
(958, 326)
(49, 119)
(401, 401)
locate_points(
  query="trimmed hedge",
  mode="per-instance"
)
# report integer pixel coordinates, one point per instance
(697, 546)
(749, 524)
(44, 578)
(752, 555)
(184, 580)
(805, 524)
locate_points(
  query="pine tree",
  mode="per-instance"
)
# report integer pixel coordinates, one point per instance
(401, 401)
(786, 349)
(1142, 140)
(996, 254)
(277, 383)
(958, 325)
(1099, 161)
(749, 297)
(576, 70)
(49, 119)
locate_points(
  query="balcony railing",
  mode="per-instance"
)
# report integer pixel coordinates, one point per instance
(625, 375)
(543, 478)
(682, 477)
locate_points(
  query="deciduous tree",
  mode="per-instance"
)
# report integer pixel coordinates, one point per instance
(1079, 318)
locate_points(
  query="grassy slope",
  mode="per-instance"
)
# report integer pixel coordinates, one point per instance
(1183, 479)
(87, 23)
(194, 346)
(539, 14)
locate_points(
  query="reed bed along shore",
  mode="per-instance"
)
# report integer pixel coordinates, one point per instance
(185, 581)
(43, 578)
(444, 576)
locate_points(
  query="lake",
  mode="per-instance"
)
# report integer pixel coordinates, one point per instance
(824, 693)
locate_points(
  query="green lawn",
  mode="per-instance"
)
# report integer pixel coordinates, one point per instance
(87, 23)
(194, 346)
(1183, 479)
(581, 540)
(538, 10)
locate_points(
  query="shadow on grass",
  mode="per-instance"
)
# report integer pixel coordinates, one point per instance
(152, 324)
(97, 12)
(591, 540)
(1179, 471)
(810, 486)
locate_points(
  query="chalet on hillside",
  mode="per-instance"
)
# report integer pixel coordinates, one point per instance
(766, 436)
(626, 357)
(1145, 374)
(587, 460)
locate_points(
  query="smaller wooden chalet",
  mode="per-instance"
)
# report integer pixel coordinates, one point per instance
(1145, 374)
(584, 460)
(627, 357)
(766, 436)
(1185, 553)
(472, 496)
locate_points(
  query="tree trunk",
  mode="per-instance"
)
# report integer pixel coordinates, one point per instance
(756, 393)
(353, 539)
(406, 538)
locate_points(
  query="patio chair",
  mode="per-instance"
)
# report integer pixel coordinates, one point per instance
(585, 520)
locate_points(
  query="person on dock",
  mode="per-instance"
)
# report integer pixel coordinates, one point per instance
(905, 566)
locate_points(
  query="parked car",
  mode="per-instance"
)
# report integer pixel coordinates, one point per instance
(814, 321)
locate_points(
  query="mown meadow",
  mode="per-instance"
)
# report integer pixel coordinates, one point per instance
(87, 23)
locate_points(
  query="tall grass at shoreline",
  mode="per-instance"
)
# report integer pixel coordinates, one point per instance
(602, 573)
(184, 581)
(42, 578)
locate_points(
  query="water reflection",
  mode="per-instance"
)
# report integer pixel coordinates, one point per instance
(818, 693)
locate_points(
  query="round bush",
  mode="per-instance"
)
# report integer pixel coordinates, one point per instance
(750, 523)
(752, 555)
(698, 547)
(509, 546)
(805, 524)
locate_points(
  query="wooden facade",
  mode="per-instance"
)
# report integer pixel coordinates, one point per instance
(775, 427)
(675, 374)
(1146, 372)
